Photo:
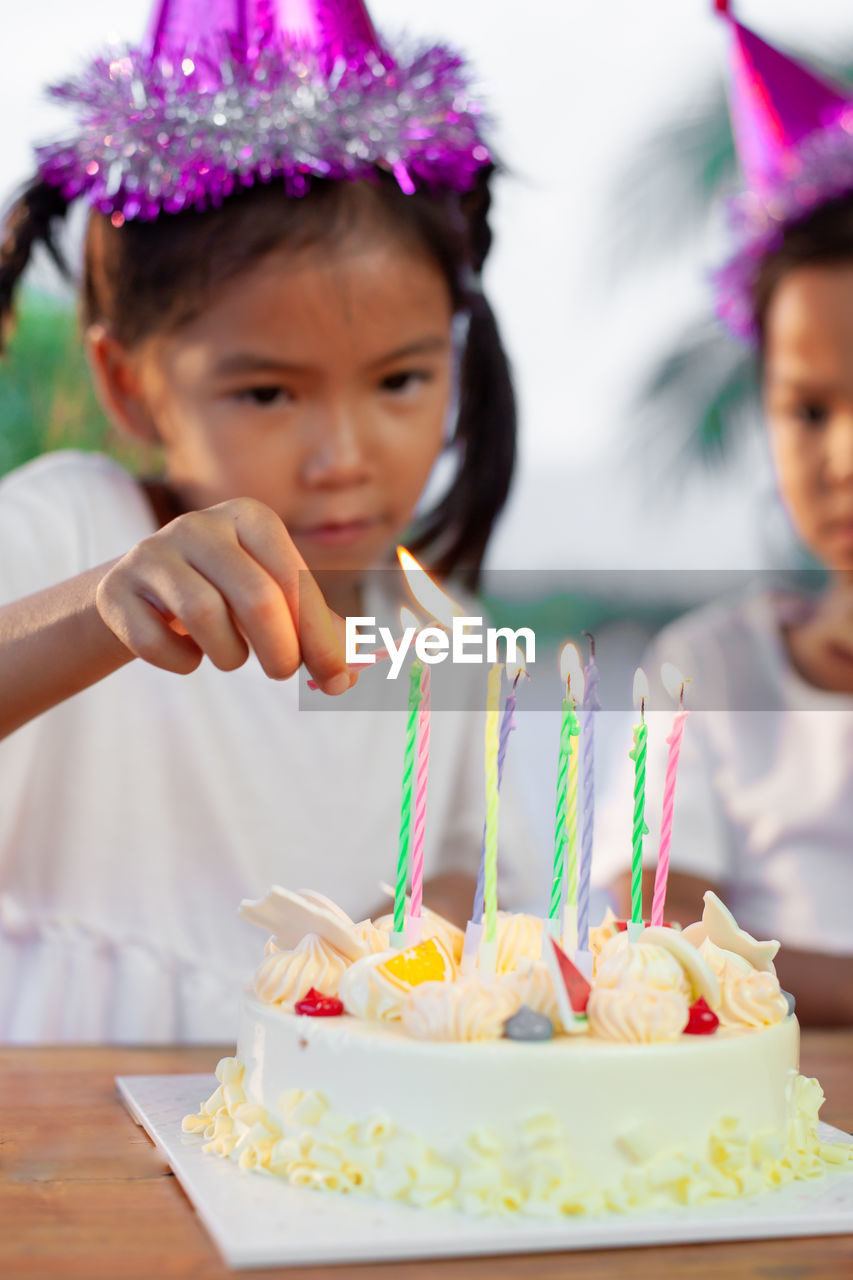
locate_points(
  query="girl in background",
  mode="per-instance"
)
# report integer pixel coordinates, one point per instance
(284, 247)
(764, 800)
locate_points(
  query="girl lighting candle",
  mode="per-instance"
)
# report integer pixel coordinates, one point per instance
(674, 683)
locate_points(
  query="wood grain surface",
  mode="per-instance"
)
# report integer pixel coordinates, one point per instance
(84, 1194)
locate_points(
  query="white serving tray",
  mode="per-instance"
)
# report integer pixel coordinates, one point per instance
(258, 1221)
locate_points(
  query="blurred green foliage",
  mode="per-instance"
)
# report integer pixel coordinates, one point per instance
(47, 400)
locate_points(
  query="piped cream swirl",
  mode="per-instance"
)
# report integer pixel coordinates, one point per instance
(434, 926)
(531, 981)
(286, 977)
(468, 1009)
(369, 993)
(621, 962)
(640, 1015)
(750, 997)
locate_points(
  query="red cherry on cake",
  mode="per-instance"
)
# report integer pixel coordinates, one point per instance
(701, 1020)
(622, 925)
(316, 1005)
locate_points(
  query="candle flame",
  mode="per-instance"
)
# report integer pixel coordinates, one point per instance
(570, 667)
(641, 687)
(428, 594)
(673, 680)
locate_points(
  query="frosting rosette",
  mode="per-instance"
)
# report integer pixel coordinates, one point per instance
(639, 1015)
(519, 938)
(285, 977)
(621, 962)
(750, 997)
(469, 1009)
(532, 983)
(603, 932)
(368, 992)
(374, 937)
(434, 926)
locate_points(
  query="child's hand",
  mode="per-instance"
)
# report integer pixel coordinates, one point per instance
(218, 582)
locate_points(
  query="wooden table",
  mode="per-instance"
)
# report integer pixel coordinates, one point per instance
(83, 1193)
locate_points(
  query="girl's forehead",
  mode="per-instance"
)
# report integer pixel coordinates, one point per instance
(354, 300)
(810, 316)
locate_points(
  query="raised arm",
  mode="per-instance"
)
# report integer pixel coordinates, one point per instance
(219, 583)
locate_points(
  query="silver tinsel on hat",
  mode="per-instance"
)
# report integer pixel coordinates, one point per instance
(154, 136)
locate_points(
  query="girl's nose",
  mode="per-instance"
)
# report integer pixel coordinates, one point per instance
(839, 450)
(335, 453)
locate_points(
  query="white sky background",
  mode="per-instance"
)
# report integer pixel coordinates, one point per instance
(576, 85)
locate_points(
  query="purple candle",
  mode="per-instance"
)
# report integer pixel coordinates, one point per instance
(589, 706)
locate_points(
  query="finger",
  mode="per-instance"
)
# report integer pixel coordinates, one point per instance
(256, 603)
(320, 632)
(199, 607)
(143, 630)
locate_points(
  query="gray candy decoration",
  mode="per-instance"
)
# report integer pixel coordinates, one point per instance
(791, 1001)
(527, 1024)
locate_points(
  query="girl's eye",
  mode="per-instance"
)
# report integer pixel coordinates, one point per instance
(811, 414)
(406, 380)
(263, 396)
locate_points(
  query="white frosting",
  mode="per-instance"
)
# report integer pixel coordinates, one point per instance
(519, 939)
(469, 1009)
(622, 962)
(594, 1091)
(434, 926)
(640, 1015)
(750, 997)
(369, 993)
(531, 981)
(286, 977)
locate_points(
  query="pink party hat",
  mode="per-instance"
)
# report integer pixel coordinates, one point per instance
(794, 136)
(337, 29)
(776, 103)
(225, 93)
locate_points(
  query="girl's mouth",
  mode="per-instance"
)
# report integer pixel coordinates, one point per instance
(342, 533)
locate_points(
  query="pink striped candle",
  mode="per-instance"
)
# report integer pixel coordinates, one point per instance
(671, 676)
(421, 778)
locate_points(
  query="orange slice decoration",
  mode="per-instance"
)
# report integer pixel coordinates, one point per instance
(429, 961)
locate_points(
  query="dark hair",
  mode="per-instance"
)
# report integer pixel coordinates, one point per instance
(142, 277)
(821, 238)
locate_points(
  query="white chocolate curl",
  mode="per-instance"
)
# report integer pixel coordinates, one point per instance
(469, 1009)
(286, 977)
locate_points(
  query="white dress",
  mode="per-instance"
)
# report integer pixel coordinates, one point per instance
(764, 794)
(136, 815)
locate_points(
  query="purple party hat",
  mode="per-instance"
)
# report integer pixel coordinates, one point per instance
(794, 137)
(225, 93)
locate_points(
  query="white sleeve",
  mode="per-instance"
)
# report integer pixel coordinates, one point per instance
(37, 542)
(63, 513)
(700, 843)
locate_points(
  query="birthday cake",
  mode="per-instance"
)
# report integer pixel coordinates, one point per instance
(668, 1078)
